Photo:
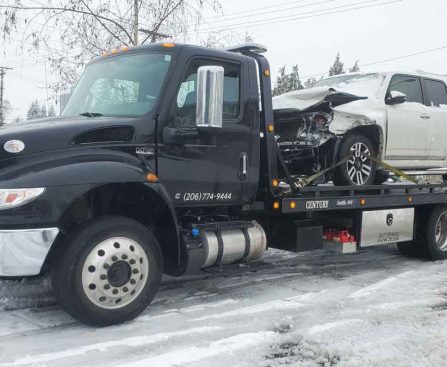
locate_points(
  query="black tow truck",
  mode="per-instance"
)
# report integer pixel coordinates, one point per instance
(164, 160)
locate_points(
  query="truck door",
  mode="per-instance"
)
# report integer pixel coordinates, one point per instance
(408, 122)
(208, 168)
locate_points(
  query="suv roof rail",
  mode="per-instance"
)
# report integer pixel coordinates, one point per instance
(247, 48)
(423, 72)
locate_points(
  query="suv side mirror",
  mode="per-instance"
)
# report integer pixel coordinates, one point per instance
(210, 88)
(395, 97)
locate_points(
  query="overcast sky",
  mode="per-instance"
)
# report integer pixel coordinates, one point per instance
(298, 32)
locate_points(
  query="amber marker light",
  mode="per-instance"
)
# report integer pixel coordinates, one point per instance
(275, 183)
(168, 45)
(292, 205)
(151, 177)
(124, 48)
(410, 199)
(270, 128)
(276, 205)
(267, 72)
(114, 51)
(362, 201)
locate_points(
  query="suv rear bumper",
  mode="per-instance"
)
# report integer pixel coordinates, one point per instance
(23, 251)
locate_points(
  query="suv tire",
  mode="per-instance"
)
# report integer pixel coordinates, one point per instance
(359, 170)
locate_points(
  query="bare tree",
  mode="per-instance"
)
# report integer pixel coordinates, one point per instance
(83, 29)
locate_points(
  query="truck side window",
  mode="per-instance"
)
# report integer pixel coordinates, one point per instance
(409, 85)
(436, 93)
(187, 93)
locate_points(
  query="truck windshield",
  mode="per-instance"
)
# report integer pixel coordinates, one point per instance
(127, 85)
(364, 85)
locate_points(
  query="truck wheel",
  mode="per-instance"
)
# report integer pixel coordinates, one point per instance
(358, 170)
(436, 234)
(108, 271)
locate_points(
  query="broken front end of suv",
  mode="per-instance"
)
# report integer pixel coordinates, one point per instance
(320, 130)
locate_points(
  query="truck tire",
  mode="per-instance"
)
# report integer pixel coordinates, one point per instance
(107, 271)
(357, 171)
(435, 241)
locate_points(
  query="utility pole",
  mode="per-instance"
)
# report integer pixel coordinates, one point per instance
(3, 70)
(136, 11)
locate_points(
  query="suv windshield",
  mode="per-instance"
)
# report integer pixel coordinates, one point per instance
(126, 85)
(363, 85)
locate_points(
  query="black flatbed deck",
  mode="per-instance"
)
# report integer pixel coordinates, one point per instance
(323, 198)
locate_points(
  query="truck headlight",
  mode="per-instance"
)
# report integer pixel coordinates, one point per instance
(11, 198)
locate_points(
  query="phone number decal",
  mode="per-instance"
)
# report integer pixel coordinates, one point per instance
(203, 196)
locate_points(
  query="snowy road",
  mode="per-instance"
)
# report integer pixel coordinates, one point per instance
(373, 308)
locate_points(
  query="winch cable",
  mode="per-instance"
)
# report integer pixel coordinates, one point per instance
(302, 182)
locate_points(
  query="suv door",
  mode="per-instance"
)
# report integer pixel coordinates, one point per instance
(208, 168)
(408, 127)
(435, 93)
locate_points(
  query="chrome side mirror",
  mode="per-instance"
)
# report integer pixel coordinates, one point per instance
(396, 97)
(210, 87)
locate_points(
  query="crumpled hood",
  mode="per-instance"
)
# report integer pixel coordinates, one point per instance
(54, 133)
(307, 99)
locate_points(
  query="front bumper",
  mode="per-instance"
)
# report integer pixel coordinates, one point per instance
(23, 251)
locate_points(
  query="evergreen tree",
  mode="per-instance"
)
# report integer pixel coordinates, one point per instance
(287, 82)
(293, 80)
(43, 111)
(338, 67)
(34, 111)
(355, 68)
(51, 112)
(281, 82)
(310, 82)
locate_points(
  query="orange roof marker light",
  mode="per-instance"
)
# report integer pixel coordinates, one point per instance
(168, 45)
(362, 201)
(292, 205)
(267, 72)
(151, 177)
(275, 183)
(276, 205)
(271, 128)
(115, 51)
(410, 199)
(124, 49)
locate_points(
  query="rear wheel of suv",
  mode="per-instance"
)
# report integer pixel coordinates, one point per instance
(359, 170)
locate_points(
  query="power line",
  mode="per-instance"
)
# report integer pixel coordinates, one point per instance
(387, 60)
(252, 14)
(293, 17)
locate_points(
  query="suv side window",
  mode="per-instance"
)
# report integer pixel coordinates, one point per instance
(410, 85)
(187, 94)
(436, 92)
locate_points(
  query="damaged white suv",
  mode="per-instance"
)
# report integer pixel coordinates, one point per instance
(400, 118)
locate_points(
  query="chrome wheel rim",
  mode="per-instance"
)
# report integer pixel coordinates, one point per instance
(359, 167)
(115, 272)
(441, 232)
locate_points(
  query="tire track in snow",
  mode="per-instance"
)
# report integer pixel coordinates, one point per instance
(194, 354)
(366, 291)
(275, 305)
(103, 347)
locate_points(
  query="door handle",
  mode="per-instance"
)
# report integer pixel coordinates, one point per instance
(425, 116)
(243, 166)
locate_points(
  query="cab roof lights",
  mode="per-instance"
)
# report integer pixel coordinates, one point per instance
(249, 47)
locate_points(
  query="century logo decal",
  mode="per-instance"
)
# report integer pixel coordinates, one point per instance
(317, 204)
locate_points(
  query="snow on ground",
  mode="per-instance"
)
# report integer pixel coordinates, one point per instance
(373, 308)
